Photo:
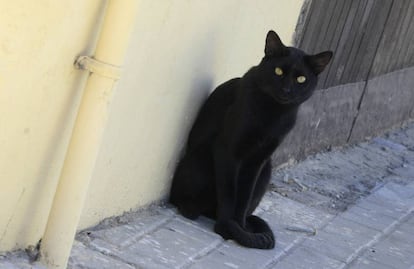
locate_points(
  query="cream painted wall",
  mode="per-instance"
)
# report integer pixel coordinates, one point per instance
(39, 95)
(180, 51)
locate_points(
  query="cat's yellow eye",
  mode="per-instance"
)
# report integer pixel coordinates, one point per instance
(301, 79)
(278, 71)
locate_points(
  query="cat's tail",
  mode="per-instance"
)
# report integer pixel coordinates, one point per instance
(258, 233)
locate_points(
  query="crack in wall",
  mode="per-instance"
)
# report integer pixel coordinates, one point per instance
(12, 216)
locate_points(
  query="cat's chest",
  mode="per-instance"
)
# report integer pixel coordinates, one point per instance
(272, 133)
(276, 124)
(265, 133)
(268, 119)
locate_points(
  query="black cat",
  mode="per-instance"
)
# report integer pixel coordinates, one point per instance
(226, 167)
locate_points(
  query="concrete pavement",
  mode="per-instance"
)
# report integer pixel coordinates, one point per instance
(348, 208)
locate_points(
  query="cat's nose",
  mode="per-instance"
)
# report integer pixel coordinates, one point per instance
(286, 89)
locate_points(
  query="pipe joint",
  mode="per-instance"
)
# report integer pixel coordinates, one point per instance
(98, 67)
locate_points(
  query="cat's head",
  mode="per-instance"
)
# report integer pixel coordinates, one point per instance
(288, 74)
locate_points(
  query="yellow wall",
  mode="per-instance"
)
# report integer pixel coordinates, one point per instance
(180, 51)
(39, 94)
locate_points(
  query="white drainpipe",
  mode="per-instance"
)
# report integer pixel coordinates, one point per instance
(87, 133)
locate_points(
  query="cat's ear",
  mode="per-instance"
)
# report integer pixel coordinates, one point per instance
(319, 61)
(274, 46)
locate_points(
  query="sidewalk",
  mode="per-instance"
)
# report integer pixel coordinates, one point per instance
(359, 201)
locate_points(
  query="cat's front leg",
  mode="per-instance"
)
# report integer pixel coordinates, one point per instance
(246, 182)
(226, 170)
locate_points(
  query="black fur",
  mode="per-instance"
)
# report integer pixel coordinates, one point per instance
(226, 168)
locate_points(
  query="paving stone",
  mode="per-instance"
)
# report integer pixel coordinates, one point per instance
(351, 233)
(284, 239)
(368, 217)
(403, 136)
(333, 169)
(20, 263)
(410, 221)
(394, 212)
(312, 199)
(12, 264)
(123, 235)
(195, 232)
(394, 251)
(405, 171)
(104, 247)
(201, 224)
(257, 257)
(283, 264)
(396, 179)
(9, 265)
(378, 157)
(305, 258)
(85, 258)
(392, 260)
(398, 243)
(389, 144)
(363, 263)
(120, 236)
(396, 193)
(404, 192)
(166, 247)
(331, 246)
(289, 212)
(388, 203)
(218, 260)
(292, 214)
(18, 260)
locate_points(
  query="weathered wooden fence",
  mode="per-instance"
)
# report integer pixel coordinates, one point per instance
(369, 85)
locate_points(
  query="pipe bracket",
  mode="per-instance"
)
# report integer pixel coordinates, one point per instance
(98, 67)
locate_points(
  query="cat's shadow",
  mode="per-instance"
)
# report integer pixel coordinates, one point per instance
(200, 87)
(200, 90)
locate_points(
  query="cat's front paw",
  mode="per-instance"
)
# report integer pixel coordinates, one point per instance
(189, 212)
(221, 228)
(266, 241)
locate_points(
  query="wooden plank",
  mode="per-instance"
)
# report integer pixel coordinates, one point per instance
(315, 10)
(320, 28)
(306, 11)
(407, 38)
(408, 56)
(368, 37)
(404, 19)
(410, 52)
(335, 31)
(371, 40)
(387, 48)
(336, 23)
(326, 32)
(329, 12)
(344, 45)
(313, 23)
(359, 28)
